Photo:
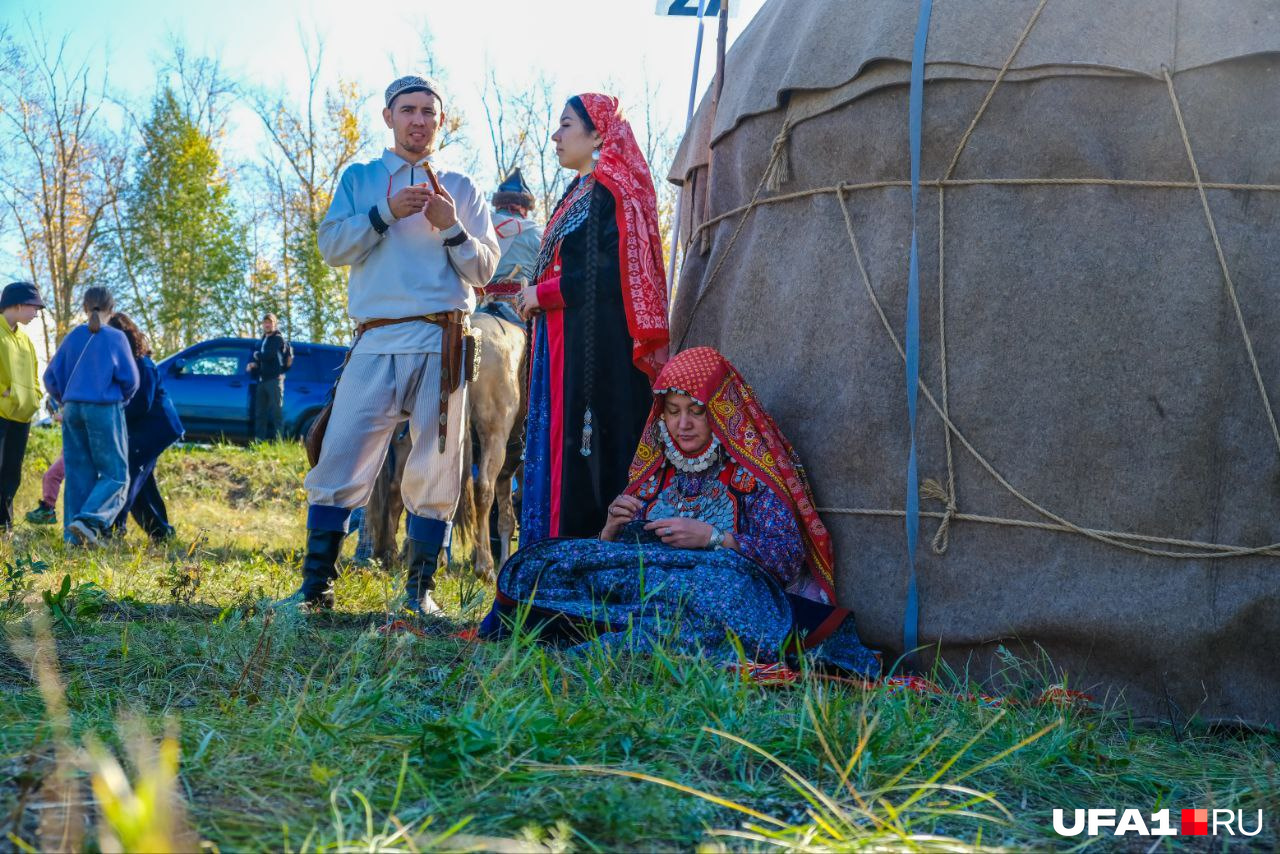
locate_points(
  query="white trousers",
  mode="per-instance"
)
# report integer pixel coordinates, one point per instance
(375, 393)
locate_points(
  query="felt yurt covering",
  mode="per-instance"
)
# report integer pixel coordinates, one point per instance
(1099, 235)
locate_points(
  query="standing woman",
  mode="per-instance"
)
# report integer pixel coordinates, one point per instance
(599, 306)
(152, 424)
(19, 389)
(93, 375)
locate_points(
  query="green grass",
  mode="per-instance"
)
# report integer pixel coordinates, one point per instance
(321, 733)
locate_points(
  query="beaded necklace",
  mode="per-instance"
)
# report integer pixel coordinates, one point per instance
(570, 214)
(684, 463)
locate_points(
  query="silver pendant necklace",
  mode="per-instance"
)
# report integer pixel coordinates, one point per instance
(687, 464)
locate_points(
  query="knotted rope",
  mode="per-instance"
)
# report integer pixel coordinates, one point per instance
(778, 171)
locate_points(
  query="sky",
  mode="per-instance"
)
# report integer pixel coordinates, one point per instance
(584, 45)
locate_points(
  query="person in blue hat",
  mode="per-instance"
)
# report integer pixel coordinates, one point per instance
(519, 237)
(19, 388)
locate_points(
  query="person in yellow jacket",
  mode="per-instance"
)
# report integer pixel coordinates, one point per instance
(19, 388)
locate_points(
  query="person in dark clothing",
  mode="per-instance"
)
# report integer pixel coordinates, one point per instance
(599, 311)
(152, 423)
(270, 363)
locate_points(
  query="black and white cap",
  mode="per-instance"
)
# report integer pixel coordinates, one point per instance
(412, 83)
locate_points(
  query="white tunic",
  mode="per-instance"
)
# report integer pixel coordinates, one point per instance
(407, 270)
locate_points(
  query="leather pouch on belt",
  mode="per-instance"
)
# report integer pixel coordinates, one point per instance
(472, 341)
(451, 354)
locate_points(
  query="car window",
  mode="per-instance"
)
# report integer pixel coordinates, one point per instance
(219, 362)
(303, 369)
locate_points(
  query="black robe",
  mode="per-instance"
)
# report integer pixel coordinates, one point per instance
(598, 342)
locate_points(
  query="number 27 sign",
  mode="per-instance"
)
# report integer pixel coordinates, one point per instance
(689, 8)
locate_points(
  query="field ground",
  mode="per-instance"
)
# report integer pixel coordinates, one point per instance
(324, 734)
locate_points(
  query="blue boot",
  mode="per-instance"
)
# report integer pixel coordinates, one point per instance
(426, 538)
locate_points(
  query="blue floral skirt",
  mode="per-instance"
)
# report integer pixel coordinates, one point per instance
(637, 593)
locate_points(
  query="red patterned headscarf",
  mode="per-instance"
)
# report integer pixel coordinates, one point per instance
(622, 170)
(748, 434)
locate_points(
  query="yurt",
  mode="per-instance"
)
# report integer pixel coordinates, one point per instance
(1097, 297)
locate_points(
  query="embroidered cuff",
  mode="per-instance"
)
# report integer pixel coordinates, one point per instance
(549, 296)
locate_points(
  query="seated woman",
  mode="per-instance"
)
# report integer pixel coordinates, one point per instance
(714, 544)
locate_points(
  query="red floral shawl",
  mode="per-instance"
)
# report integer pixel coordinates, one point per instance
(622, 170)
(749, 435)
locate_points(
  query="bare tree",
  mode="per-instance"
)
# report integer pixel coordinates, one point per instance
(315, 142)
(520, 123)
(452, 139)
(541, 103)
(508, 128)
(203, 87)
(660, 142)
(60, 170)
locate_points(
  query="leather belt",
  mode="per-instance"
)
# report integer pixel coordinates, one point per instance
(439, 318)
(453, 326)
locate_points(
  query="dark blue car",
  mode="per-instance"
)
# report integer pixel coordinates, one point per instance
(214, 393)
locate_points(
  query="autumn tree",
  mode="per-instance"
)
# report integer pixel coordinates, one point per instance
(181, 243)
(311, 144)
(59, 166)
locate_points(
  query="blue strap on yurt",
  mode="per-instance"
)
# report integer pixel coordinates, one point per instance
(910, 635)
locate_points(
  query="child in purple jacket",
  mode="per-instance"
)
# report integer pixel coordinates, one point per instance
(93, 375)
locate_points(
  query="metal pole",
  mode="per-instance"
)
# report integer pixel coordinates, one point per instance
(722, 37)
(688, 119)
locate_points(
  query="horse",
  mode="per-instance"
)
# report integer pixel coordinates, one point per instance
(496, 408)
(495, 411)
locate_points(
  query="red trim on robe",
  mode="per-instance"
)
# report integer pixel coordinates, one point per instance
(550, 296)
(555, 350)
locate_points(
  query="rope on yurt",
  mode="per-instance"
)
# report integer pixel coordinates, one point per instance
(778, 170)
(1222, 261)
(931, 488)
(1112, 538)
(847, 187)
(950, 497)
(1265, 551)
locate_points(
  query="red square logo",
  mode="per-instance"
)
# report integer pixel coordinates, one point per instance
(1195, 822)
